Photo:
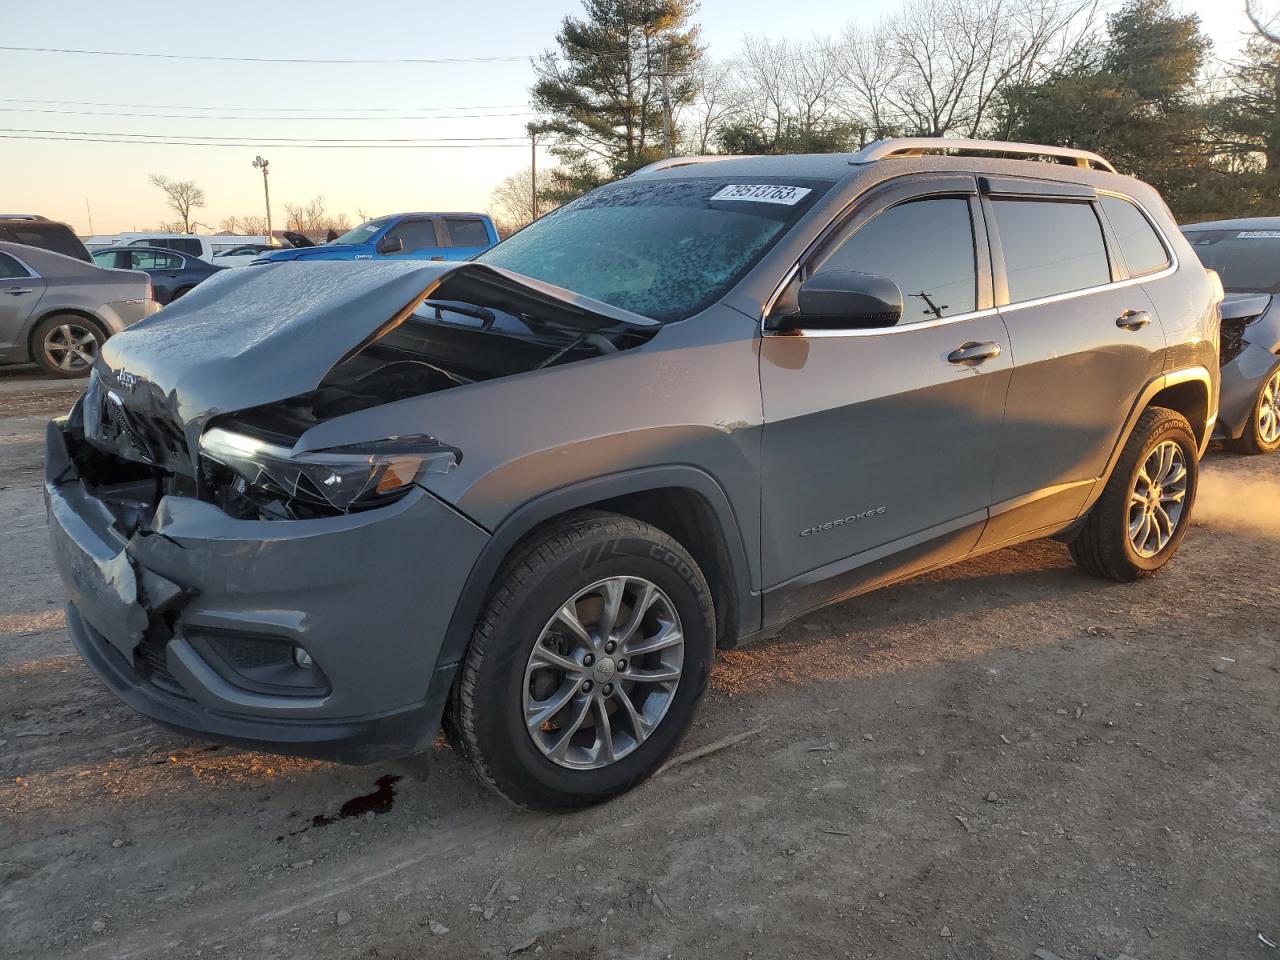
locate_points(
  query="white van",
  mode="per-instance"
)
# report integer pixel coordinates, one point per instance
(195, 245)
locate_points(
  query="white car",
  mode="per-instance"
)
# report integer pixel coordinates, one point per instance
(242, 255)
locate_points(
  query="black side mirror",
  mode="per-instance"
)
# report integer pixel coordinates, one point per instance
(390, 245)
(845, 300)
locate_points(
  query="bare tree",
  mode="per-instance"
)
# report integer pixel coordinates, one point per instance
(513, 198)
(312, 219)
(870, 72)
(182, 196)
(716, 101)
(789, 90)
(1268, 27)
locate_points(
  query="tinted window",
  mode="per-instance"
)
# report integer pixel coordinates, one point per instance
(415, 235)
(10, 268)
(1247, 260)
(186, 246)
(664, 248)
(926, 248)
(1050, 247)
(149, 260)
(1142, 249)
(46, 236)
(467, 233)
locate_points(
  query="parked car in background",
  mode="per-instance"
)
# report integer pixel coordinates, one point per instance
(37, 231)
(58, 311)
(677, 413)
(407, 236)
(1246, 255)
(172, 274)
(206, 247)
(242, 255)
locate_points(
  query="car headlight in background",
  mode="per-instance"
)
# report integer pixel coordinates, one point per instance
(340, 478)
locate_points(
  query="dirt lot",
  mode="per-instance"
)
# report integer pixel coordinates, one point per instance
(998, 758)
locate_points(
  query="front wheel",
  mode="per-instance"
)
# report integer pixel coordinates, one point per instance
(1137, 524)
(1262, 432)
(587, 666)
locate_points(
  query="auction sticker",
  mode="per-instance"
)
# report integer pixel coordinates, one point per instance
(1245, 234)
(763, 193)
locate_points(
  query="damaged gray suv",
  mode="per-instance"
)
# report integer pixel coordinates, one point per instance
(321, 508)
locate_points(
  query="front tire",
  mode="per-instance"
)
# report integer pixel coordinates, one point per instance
(66, 345)
(1135, 527)
(587, 665)
(1262, 432)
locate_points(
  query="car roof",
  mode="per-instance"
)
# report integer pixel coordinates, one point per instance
(428, 213)
(118, 248)
(1240, 223)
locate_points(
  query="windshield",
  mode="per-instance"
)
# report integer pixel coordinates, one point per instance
(364, 232)
(665, 249)
(1247, 260)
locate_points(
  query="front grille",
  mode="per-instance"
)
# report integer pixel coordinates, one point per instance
(149, 659)
(133, 427)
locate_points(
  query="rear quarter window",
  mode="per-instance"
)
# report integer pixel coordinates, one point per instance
(1142, 248)
(1050, 247)
(467, 233)
(46, 236)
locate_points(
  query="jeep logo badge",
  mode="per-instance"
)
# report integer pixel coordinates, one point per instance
(126, 379)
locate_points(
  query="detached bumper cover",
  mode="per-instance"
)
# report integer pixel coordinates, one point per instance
(1242, 378)
(182, 620)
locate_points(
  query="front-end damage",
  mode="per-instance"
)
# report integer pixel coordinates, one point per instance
(229, 581)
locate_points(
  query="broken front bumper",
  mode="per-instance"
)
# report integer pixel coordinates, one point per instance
(311, 637)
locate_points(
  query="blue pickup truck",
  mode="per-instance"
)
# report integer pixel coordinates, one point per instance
(412, 236)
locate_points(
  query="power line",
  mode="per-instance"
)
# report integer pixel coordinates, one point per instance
(188, 106)
(425, 145)
(247, 139)
(205, 57)
(199, 116)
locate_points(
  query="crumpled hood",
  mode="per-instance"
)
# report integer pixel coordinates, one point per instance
(245, 338)
(1238, 305)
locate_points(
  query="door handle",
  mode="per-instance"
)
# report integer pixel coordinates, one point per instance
(1133, 320)
(973, 353)
(16, 291)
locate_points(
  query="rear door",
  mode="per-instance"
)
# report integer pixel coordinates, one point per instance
(165, 270)
(879, 445)
(466, 237)
(1086, 341)
(20, 291)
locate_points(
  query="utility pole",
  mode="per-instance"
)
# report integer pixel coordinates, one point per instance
(665, 76)
(533, 170)
(90, 214)
(260, 163)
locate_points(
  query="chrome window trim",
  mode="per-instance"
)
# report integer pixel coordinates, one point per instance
(1168, 270)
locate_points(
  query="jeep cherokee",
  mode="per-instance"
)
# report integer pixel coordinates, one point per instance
(318, 508)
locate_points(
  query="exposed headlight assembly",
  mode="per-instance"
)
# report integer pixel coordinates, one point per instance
(340, 478)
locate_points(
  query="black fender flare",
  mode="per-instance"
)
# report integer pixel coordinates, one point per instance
(554, 503)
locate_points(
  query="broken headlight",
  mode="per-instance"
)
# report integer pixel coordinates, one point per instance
(339, 479)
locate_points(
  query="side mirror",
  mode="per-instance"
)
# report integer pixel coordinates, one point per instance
(845, 300)
(389, 244)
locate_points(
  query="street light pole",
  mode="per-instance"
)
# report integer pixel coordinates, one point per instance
(533, 170)
(260, 163)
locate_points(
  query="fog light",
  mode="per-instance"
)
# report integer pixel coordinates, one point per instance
(301, 657)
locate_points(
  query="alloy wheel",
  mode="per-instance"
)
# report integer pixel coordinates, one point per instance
(1269, 410)
(71, 346)
(1157, 499)
(603, 673)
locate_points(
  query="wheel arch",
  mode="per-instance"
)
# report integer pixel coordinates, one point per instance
(682, 501)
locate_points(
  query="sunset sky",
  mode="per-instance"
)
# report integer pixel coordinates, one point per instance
(251, 100)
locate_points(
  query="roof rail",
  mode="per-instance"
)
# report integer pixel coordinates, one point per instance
(919, 146)
(671, 162)
(21, 216)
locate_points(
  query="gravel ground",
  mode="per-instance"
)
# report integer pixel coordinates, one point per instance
(1002, 757)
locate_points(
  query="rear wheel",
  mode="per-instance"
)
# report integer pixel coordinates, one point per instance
(66, 345)
(1262, 432)
(1137, 524)
(588, 664)
(180, 292)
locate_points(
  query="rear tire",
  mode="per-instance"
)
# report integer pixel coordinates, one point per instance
(1262, 432)
(180, 292)
(66, 345)
(619, 719)
(1135, 527)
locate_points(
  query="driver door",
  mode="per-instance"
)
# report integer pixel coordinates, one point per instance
(879, 445)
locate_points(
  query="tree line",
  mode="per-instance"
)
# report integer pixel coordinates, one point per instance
(1140, 86)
